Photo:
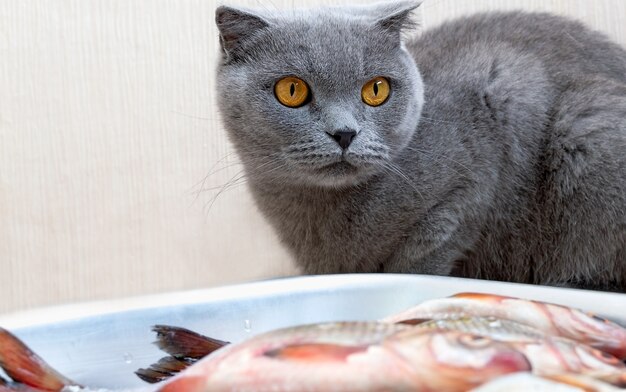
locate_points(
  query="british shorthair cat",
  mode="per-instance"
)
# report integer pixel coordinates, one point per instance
(492, 147)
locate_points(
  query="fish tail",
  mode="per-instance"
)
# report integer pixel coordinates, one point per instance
(165, 368)
(24, 366)
(185, 348)
(183, 343)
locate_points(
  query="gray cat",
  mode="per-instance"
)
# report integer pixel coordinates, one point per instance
(492, 147)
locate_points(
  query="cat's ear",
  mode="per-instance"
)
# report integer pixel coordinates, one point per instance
(397, 16)
(235, 27)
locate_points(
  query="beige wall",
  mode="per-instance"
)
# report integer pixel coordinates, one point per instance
(111, 149)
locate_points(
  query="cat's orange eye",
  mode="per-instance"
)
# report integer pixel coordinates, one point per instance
(292, 92)
(376, 91)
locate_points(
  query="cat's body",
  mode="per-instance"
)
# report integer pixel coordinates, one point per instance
(516, 170)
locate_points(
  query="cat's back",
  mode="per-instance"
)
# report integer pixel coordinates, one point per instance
(555, 90)
(566, 48)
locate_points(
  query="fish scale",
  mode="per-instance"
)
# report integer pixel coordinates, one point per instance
(353, 333)
(504, 330)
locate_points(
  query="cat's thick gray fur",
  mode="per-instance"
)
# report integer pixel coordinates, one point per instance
(505, 160)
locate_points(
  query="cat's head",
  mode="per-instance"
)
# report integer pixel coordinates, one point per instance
(323, 97)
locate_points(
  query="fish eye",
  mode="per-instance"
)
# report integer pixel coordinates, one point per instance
(597, 359)
(376, 91)
(598, 318)
(606, 357)
(474, 341)
(292, 92)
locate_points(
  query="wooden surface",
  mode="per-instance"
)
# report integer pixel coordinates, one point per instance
(116, 178)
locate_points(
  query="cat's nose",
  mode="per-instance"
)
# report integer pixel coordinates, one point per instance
(343, 136)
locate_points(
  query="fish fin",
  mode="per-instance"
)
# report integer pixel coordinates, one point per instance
(414, 321)
(26, 367)
(182, 343)
(184, 346)
(481, 296)
(185, 384)
(165, 368)
(317, 352)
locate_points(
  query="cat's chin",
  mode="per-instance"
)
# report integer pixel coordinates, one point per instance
(339, 175)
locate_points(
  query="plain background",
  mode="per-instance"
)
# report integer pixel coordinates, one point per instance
(116, 177)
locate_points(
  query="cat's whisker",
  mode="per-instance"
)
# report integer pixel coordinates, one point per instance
(236, 180)
(469, 173)
(190, 116)
(396, 170)
(222, 159)
(240, 178)
(236, 177)
(213, 172)
(213, 188)
(200, 184)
